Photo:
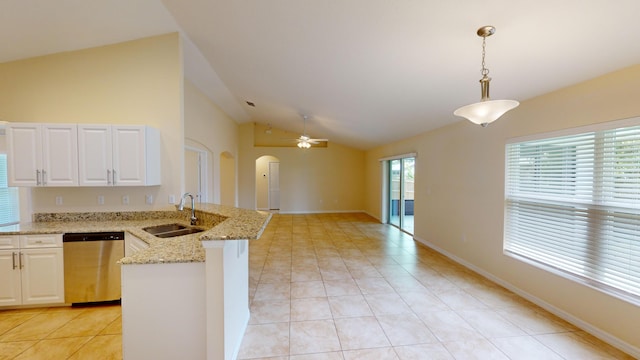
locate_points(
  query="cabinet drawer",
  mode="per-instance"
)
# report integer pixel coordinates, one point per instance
(41, 240)
(9, 241)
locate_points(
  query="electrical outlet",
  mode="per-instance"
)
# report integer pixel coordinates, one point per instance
(172, 199)
(100, 200)
(125, 199)
(58, 200)
(148, 199)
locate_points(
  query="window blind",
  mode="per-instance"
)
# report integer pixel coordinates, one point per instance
(572, 203)
(9, 206)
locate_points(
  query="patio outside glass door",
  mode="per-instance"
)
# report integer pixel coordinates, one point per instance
(401, 193)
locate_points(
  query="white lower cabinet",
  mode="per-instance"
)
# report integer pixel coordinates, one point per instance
(10, 283)
(133, 244)
(31, 270)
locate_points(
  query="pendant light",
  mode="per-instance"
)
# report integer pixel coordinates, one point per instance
(486, 111)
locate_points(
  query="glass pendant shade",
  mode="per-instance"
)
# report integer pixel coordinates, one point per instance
(486, 111)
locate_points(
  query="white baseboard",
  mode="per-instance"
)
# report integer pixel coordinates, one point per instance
(320, 212)
(593, 330)
(373, 216)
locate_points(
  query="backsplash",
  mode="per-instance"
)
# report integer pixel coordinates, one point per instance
(105, 216)
(205, 219)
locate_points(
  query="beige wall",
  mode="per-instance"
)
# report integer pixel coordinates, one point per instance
(460, 194)
(228, 183)
(209, 129)
(312, 180)
(137, 82)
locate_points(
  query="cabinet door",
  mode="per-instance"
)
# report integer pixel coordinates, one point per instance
(24, 154)
(9, 278)
(40, 240)
(59, 155)
(133, 244)
(42, 276)
(95, 155)
(8, 242)
(129, 161)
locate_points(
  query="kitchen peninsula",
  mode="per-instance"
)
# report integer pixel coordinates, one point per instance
(184, 296)
(188, 298)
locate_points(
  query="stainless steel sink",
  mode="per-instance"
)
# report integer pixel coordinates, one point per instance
(163, 228)
(181, 232)
(171, 230)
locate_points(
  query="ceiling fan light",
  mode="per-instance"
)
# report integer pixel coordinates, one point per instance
(304, 144)
(485, 112)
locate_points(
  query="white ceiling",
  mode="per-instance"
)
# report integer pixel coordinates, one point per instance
(367, 72)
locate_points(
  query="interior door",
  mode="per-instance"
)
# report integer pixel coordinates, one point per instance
(274, 186)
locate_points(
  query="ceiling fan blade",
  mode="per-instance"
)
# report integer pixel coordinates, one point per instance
(318, 140)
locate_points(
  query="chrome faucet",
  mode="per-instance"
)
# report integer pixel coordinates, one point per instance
(193, 207)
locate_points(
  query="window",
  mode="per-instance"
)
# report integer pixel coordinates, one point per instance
(9, 210)
(572, 206)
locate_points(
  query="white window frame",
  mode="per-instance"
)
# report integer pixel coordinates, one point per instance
(554, 240)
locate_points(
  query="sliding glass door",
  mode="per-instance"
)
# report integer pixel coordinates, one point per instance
(395, 198)
(401, 194)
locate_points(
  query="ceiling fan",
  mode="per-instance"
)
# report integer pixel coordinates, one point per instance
(304, 141)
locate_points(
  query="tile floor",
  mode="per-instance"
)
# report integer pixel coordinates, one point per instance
(61, 333)
(344, 287)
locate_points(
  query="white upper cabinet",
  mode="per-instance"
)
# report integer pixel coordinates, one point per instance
(42, 154)
(95, 155)
(119, 155)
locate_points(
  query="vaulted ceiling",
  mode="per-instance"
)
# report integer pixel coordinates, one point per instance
(367, 72)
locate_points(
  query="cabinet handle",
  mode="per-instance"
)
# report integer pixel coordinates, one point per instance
(13, 257)
(44, 177)
(114, 176)
(38, 177)
(20, 258)
(108, 177)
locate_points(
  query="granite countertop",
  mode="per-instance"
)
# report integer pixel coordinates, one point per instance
(218, 221)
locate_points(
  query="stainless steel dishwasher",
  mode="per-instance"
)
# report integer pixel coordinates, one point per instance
(91, 269)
